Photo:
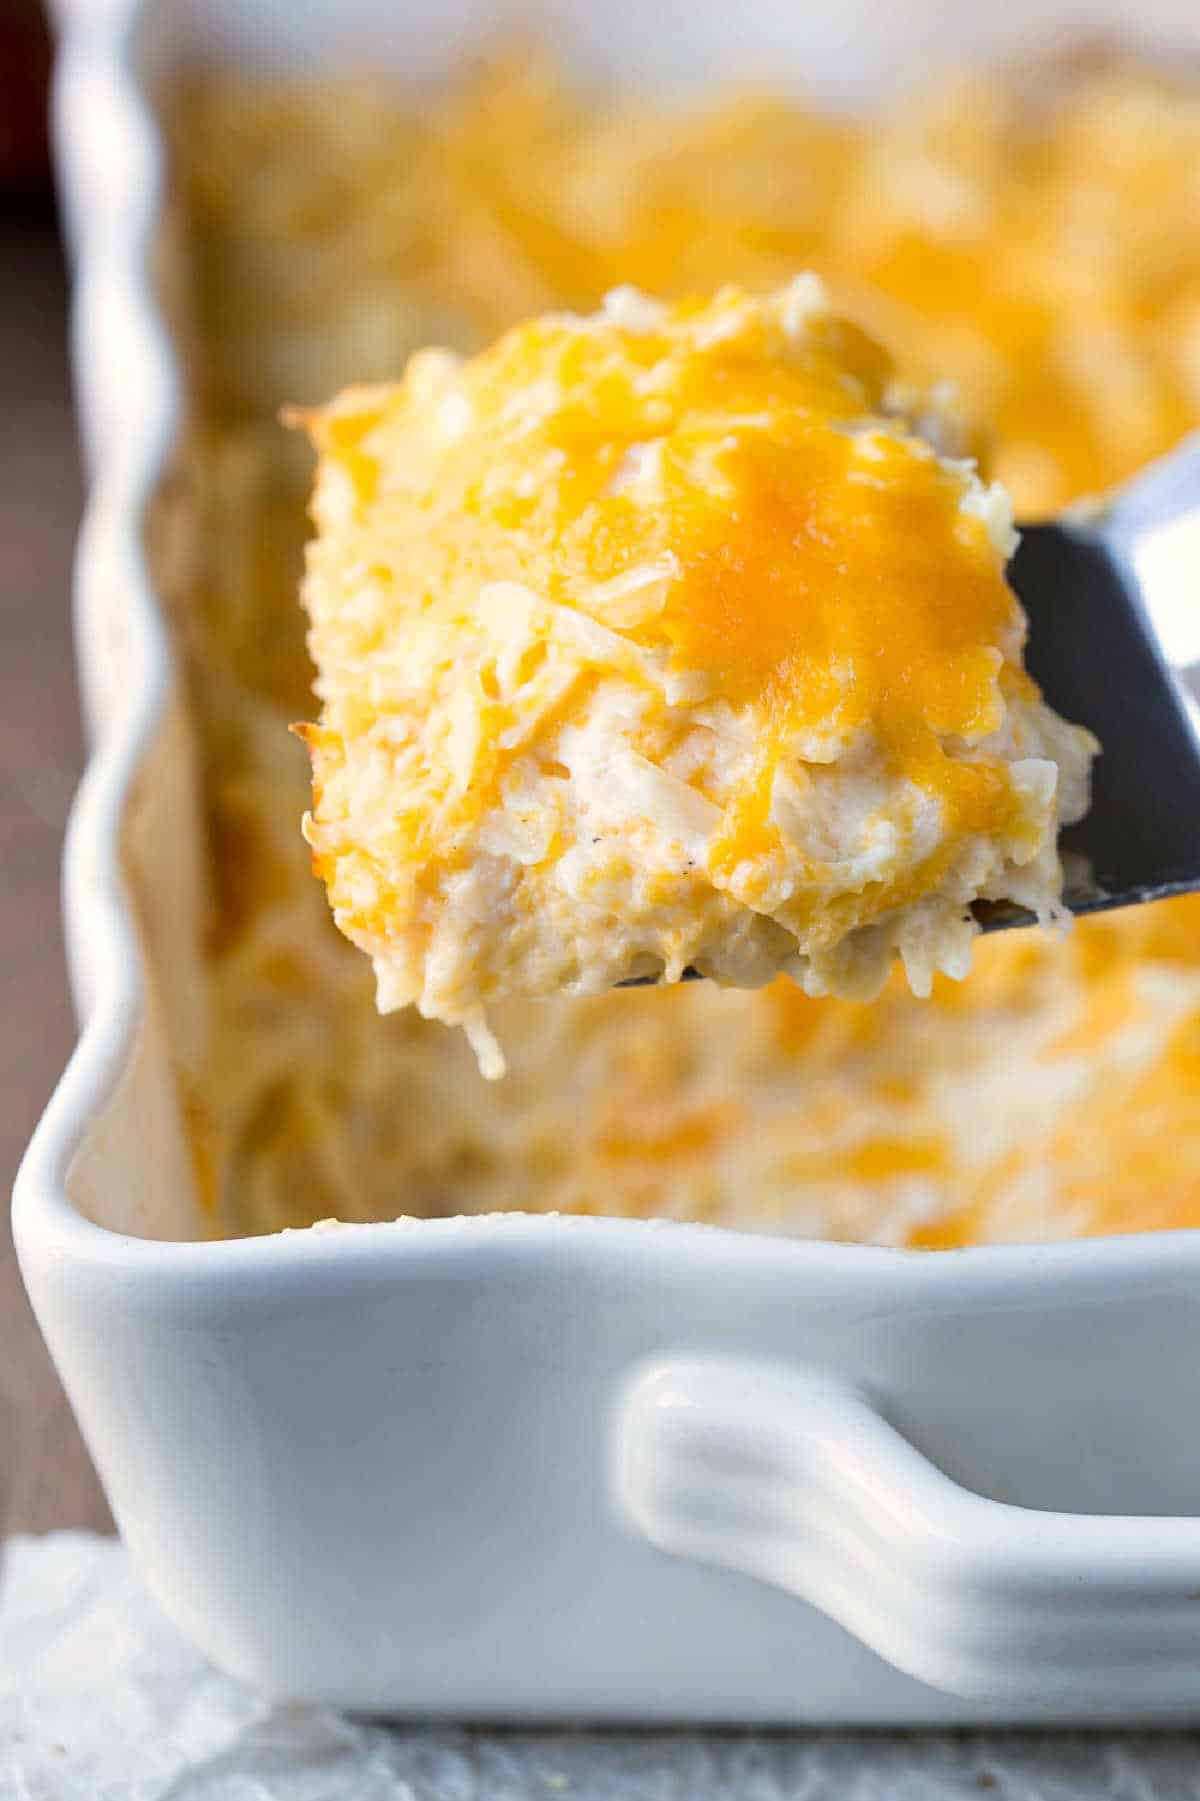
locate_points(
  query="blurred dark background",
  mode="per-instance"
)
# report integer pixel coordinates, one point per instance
(48, 1480)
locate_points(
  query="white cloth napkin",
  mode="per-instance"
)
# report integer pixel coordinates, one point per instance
(101, 1700)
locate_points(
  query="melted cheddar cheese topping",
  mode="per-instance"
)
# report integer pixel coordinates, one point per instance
(698, 554)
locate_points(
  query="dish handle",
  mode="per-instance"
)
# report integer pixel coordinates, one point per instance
(795, 1477)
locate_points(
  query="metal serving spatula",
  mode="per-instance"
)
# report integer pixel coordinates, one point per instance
(1113, 598)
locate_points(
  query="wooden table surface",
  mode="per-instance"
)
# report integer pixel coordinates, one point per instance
(46, 1479)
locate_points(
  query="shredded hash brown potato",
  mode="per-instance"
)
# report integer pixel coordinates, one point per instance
(1036, 240)
(668, 637)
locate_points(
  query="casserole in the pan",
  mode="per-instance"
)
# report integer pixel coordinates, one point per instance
(1040, 247)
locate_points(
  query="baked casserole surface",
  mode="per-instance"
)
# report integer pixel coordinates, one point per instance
(1036, 240)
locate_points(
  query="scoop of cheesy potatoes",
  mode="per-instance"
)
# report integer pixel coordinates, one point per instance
(669, 637)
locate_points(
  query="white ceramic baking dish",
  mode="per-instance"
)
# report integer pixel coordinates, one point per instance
(532, 1467)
